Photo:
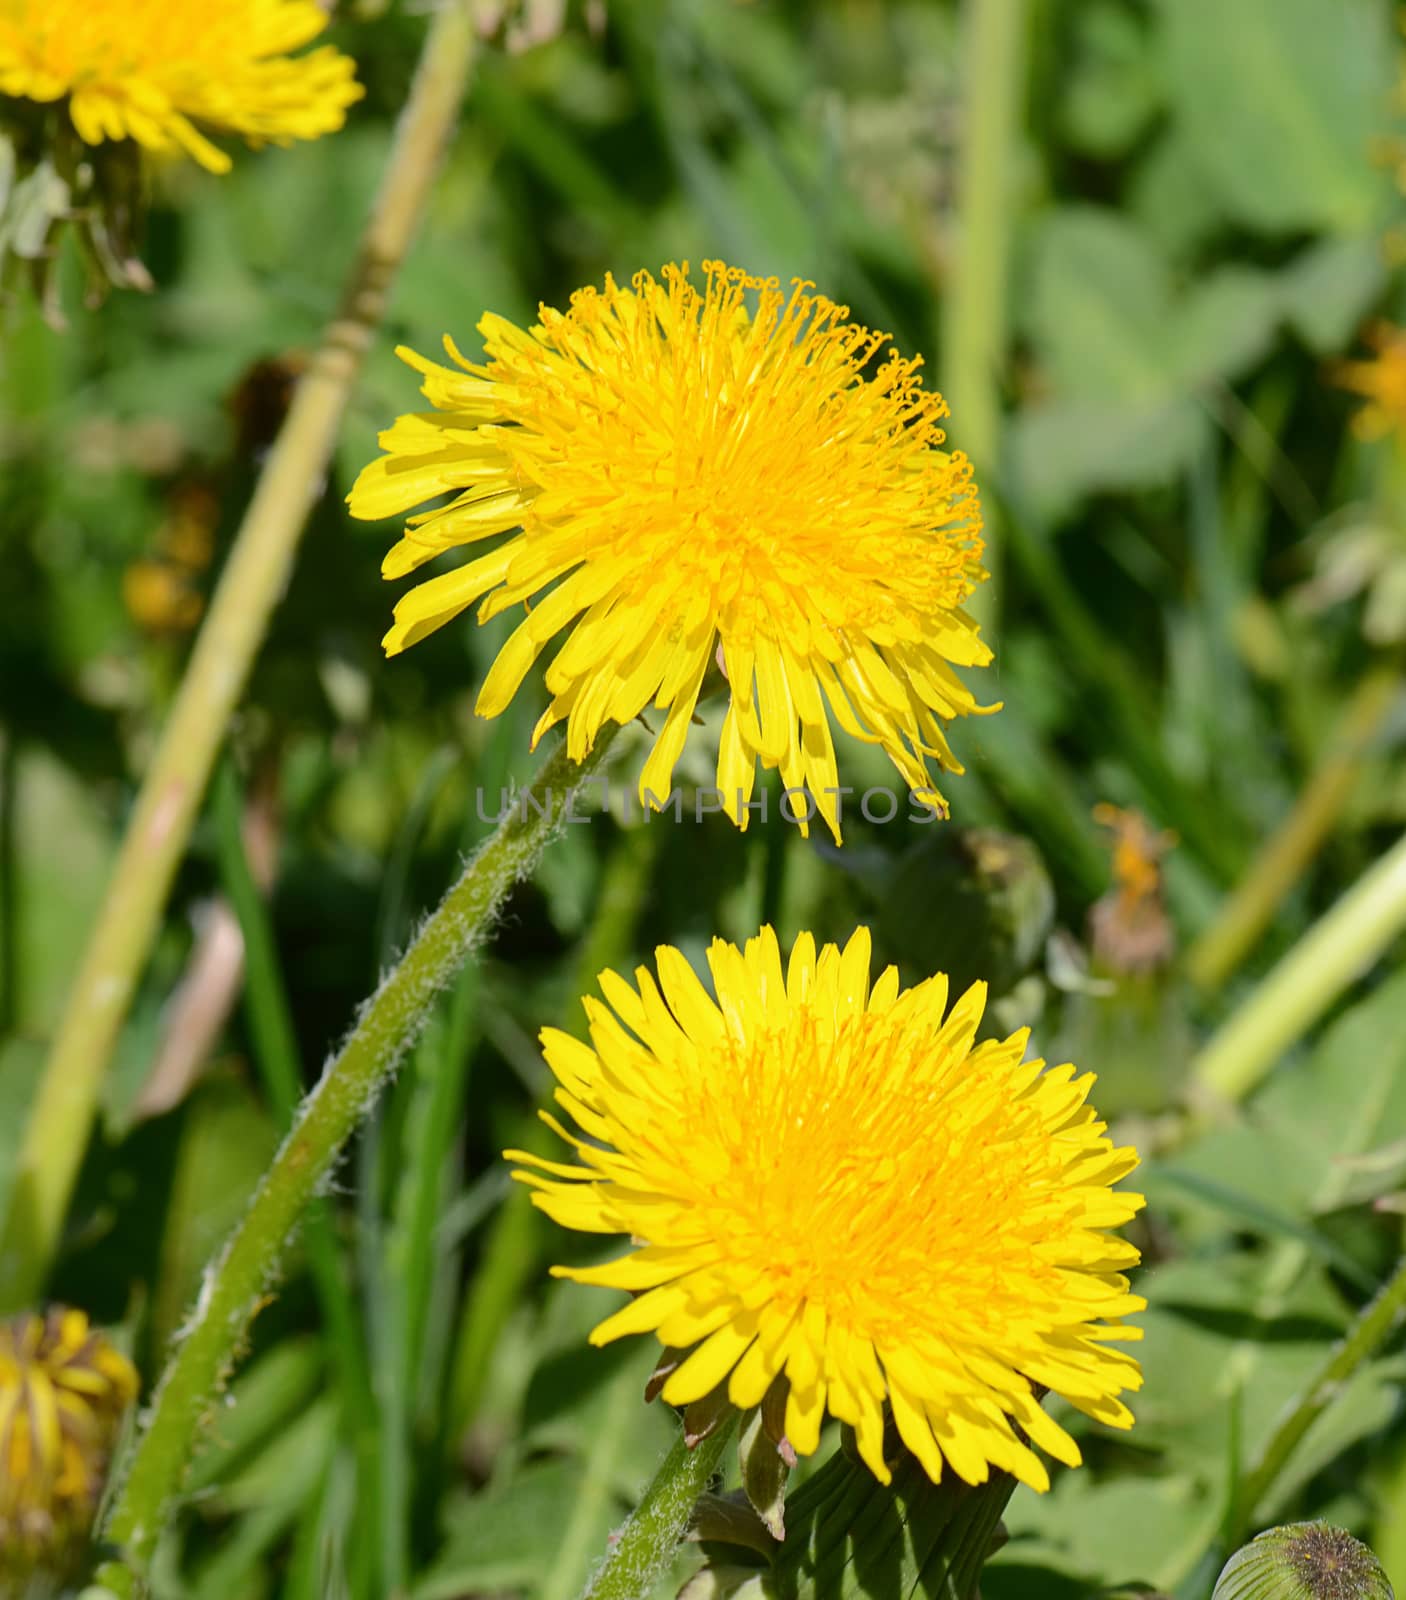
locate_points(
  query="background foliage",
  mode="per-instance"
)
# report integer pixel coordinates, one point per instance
(1199, 566)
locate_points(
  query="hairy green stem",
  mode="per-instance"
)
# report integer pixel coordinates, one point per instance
(1334, 952)
(236, 1284)
(646, 1544)
(974, 333)
(1371, 1329)
(251, 586)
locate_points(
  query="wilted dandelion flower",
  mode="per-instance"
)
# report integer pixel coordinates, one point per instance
(834, 1187)
(1129, 926)
(63, 1391)
(699, 476)
(164, 73)
(1381, 380)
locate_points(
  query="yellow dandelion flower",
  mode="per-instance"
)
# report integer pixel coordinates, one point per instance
(832, 1187)
(152, 70)
(699, 475)
(63, 1392)
(1381, 380)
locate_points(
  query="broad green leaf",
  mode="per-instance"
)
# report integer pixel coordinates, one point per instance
(1062, 450)
(1114, 1530)
(1327, 289)
(1112, 92)
(1279, 102)
(1099, 300)
(1299, 1146)
(1364, 1409)
(495, 1539)
(1225, 324)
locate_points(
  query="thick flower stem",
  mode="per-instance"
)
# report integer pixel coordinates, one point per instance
(646, 1544)
(1336, 950)
(974, 324)
(1290, 849)
(236, 1284)
(253, 582)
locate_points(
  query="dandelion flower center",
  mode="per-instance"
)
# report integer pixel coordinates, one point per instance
(736, 473)
(151, 70)
(837, 1188)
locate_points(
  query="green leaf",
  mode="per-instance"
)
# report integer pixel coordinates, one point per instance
(1108, 1531)
(1279, 102)
(1347, 1100)
(1061, 451)
(495, 1540)
(1134, 360)
(1328, 289)
(1112, 92)
(1099, 298)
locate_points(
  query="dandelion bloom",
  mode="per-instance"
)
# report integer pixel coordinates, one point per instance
(63, 1392)
(833, 1187)
(151, 70)
(1381, 380)
(691, 469)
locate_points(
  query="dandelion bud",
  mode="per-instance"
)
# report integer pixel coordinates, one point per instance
(63, 1392)
(998, 902)
(1303, 1561)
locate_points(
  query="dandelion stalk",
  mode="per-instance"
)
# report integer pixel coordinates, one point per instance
(242, 1275)
(1335, 951)
(252, 585)
(1294, 844)
(974, 331)
(1373, 1326)
(646, 1544)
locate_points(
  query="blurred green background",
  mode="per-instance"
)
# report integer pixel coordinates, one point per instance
(1200, 595)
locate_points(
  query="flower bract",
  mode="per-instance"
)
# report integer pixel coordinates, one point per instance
(681, 477)
(833, 1187)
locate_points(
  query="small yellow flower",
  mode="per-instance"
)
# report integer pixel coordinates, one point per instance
(63, 1392)
(835, 1187)
(1382, 380)
(699, 476)
(152, 70)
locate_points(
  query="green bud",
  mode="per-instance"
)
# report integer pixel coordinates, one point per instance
(970, 902)
(1303, 1561)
